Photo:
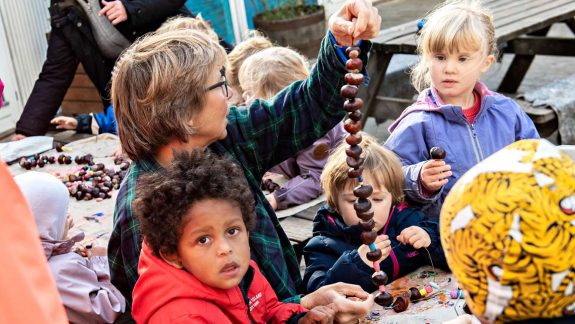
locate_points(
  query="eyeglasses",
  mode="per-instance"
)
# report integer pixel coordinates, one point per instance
(223, 84)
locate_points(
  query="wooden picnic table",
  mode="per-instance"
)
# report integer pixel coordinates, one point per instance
(521, 27)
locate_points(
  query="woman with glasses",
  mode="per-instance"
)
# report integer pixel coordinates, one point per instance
(169, 93)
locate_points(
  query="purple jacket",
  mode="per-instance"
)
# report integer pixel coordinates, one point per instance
(83, 283)
(304, 170)
(429, 123)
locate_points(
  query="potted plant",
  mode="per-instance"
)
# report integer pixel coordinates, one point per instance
(293, 23)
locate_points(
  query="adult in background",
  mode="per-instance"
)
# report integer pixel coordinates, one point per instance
(72, 42)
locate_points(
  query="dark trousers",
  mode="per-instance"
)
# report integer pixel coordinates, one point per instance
(71, 42)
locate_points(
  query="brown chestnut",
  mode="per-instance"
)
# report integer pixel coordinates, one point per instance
(59, 147)
(354, 173)
(27, 165)
(352, 51)
(374, 255)
(437, 153)
(362, 205)
(415, 294)
(353, 151)
(367, 225)
(363, 191)
(379, 278)
(353, 139)
(52, 160)
(365, 216)
(400, 304)
(352, 126)
(354, 64)
(353, 162)
(384, 299)
(353, 104)
(355, 116)
(368, 237)
(354, 78)
(348, 91)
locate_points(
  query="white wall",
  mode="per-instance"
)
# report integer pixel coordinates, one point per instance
(25, 24)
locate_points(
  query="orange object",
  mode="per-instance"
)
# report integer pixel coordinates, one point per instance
(28, 293)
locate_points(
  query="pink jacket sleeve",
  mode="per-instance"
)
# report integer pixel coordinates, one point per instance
(85, 288)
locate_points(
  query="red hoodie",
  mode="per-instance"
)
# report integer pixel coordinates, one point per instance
(164, 294)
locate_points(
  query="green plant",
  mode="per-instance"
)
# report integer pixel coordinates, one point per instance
(274, 10)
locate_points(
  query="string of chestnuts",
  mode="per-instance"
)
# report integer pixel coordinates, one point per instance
(354, 160)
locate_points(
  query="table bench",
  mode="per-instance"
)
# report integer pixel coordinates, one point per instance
(521, 29)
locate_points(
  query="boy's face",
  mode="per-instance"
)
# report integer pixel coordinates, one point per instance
(214, 244)
(211, 121)
(454, 75)
(380, 201)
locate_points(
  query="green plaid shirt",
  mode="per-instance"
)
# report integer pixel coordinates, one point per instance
(259, 137)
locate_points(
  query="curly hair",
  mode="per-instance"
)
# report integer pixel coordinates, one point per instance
(164, 198)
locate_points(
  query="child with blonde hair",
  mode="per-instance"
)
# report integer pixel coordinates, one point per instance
(455, 110)
(262, 76)
(197, 23)
(255, 43)
(336, 252)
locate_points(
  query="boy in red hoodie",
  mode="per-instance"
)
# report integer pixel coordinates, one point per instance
(195, 263)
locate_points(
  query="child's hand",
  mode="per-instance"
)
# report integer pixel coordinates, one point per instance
(382, 242)
(63, 122)
(90, 250)
(415, 236)
(319, 314)
(434, 174)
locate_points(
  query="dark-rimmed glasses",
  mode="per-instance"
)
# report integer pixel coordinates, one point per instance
(223, 84)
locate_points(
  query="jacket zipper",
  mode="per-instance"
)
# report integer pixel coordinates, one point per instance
(474, 142)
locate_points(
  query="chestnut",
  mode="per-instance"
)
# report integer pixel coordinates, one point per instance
(437, 153)
(353, 104)
(368, 237)
(354, 163)
(379, 278)
(354, 173)
(354, 78)
(124, 166)
(353, 151)
(27, 165)
(365, 216)
(384, 299)
(363, 191)
(367, 225)
(352, 51)
(415, 294)
(353, 139)
(52, 160)
(352, 126)
(59, 147)
(41, 163)
(355, 116)
(374, 255)
(401, 303)
(354, 64)
(362, 205)
(349, 91)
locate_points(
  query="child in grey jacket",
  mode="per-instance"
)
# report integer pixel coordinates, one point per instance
(83, 282)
